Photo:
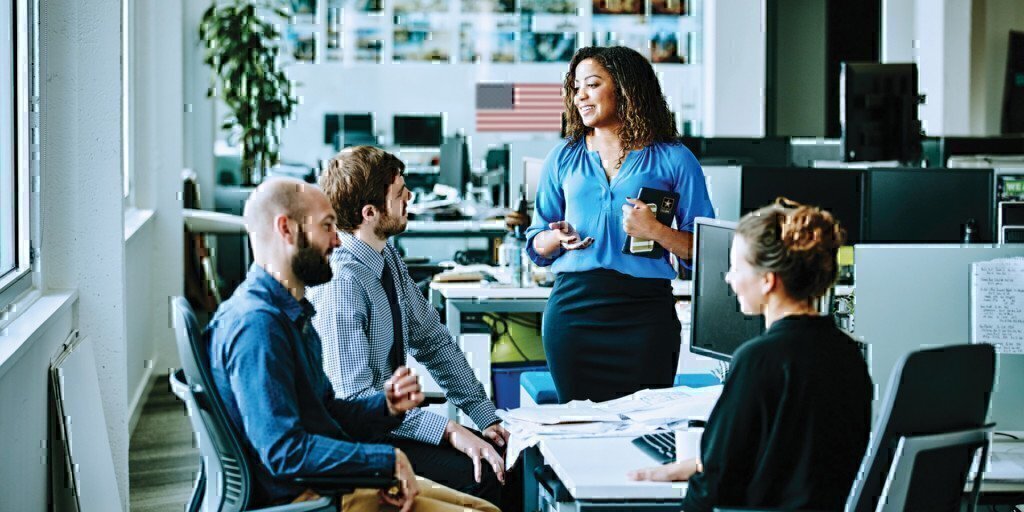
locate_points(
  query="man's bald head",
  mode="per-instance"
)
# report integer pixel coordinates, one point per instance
(277, 196)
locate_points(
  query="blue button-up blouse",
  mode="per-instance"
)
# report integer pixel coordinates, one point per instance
(573, 187)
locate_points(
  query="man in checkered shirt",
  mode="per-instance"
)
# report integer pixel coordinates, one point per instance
(365, 336)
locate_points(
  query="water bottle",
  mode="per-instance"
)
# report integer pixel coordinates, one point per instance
(510, 257)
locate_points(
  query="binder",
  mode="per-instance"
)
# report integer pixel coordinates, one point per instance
(663, 203)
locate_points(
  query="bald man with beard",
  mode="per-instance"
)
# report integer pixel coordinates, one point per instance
(267, 366)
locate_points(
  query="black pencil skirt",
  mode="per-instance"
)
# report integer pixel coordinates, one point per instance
(608, 334)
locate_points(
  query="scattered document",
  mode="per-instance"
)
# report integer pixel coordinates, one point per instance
(572, 412)
(666, 405)
(641, 413)
(997, 304)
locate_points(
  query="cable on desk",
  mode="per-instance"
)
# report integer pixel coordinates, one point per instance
(1011, 436)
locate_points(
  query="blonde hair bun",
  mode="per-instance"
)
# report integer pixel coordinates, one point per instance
(807, 228)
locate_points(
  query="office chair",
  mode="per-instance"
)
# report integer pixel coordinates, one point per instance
(224, 484)
(931, 426)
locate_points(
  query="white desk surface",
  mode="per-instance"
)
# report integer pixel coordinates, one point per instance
(486, 290)
(595, 469)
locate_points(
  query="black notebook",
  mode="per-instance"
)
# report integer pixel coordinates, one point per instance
(663, 203)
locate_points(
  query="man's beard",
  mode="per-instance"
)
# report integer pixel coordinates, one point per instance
(389, 226)
(309, 265)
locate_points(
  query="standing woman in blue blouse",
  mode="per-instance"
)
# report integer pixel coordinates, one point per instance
(610, 326)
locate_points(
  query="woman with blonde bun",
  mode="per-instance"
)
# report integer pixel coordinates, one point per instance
(792, 424)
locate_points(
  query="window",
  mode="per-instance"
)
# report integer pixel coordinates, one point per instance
(15, 100)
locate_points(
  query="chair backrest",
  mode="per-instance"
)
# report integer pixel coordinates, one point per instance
(228, 479)
(934, 391)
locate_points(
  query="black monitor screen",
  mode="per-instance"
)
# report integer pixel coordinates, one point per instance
(837, 190)
(717, 326)
(418, 131)
(745, 151)
(357, 123)
(454, 168)
(929, 205)
(879, 112)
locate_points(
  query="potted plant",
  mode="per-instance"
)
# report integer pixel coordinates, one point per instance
(242, 48)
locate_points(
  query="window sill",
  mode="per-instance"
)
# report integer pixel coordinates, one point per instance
(38, 313)
(134, 220)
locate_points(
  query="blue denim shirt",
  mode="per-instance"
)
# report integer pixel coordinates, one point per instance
(267, 366)
(573, 187)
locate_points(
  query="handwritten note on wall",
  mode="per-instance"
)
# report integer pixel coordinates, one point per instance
(997, 304)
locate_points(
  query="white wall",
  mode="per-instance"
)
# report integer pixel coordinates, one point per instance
(735, 45)
(81, 211)
(388, 89)
(122, 290)
(156, 261)
(25, 420)
(199, 110)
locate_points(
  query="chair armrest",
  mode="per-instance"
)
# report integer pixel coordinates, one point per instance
(204, 221)
(332, 485)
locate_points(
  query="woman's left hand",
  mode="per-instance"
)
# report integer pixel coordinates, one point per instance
(672, 472)
(638, 220)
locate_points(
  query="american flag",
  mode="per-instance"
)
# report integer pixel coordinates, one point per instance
(519, 107)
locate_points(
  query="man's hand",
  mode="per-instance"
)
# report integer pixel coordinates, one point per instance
(568, 237)
(638, 220)
(497, 434)
(476, 449)
(409, 489)
(516, 219)
(402, 391)
(674, 472)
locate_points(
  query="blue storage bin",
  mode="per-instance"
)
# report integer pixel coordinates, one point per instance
(506, 379)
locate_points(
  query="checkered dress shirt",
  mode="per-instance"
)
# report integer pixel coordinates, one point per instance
(354, 322)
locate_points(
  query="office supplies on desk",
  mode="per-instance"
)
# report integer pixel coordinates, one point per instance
(459, 276)
(663, 204)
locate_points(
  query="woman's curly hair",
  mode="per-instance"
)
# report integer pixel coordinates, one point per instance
(639, 102)
(797, 242)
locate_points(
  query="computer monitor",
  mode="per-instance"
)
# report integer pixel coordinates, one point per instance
(454, 168)
(418, 130)
(878, 112)
(532, 168)
(745, 151)
(840, 191)
(332, 125)
(916, 205)
(357, 123)
(965, 146)
(717, 326)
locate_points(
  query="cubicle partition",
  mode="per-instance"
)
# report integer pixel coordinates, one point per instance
(723, 182)
(916, 296)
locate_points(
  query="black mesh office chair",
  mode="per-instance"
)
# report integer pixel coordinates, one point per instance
(931, 426)
(224, 484)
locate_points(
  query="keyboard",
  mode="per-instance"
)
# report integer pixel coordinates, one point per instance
(660, 446)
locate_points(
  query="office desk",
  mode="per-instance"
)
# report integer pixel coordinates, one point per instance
(593, 471)
(459, 298)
